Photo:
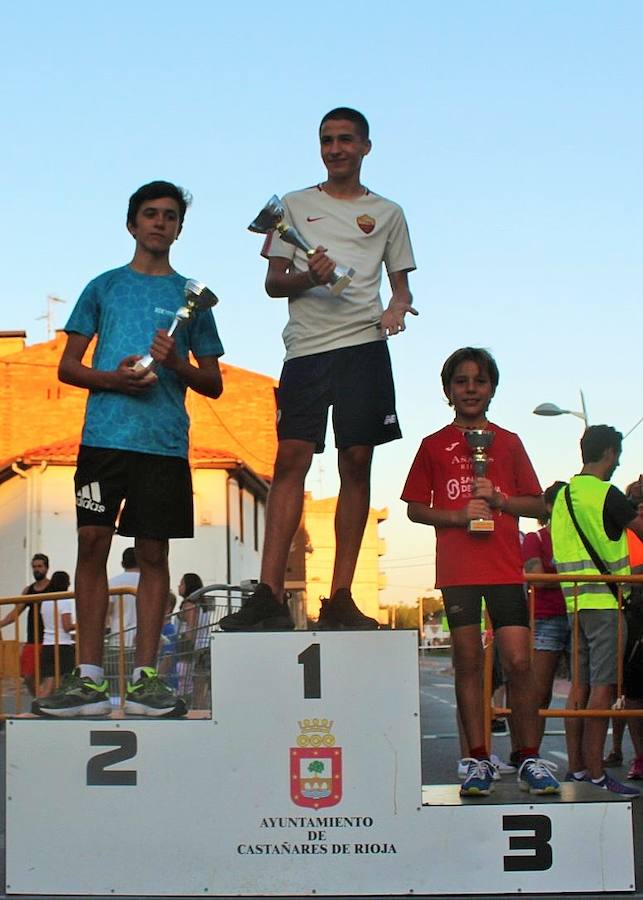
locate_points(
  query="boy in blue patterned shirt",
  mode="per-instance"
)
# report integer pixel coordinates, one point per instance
(132, 473)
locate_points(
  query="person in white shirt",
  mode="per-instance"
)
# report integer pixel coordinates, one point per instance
(129, 577)
(336, 355)
(61, 634)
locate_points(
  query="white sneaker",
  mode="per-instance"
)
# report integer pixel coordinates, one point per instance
(463, 767)
(503, 768)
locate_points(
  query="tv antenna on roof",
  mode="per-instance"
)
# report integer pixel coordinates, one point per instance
(49, 315)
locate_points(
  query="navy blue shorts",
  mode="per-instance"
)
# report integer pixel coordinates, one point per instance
(149, 495)
(356, 381)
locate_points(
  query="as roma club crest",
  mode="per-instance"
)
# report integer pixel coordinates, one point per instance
(316, 765)
(366, 223)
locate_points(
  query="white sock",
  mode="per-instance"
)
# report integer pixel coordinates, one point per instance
(96, 673)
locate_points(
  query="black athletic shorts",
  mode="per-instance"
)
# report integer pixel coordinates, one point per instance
(506, 604)
(356, 381)
(67, 659)
(150, 495)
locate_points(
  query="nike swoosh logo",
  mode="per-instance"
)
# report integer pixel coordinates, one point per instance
(314, 218)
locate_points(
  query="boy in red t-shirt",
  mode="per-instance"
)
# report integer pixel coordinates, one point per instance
(442, 490)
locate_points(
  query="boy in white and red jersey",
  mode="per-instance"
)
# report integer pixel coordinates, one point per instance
(336, 356)
(442, 490)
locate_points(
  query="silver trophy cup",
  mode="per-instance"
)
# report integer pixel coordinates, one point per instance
(197, 297)
(480, 440)
(271, 218)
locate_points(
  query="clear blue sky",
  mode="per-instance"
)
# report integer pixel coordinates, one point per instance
(510, 132)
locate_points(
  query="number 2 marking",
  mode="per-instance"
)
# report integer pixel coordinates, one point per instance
(310, 660)
(125, 746)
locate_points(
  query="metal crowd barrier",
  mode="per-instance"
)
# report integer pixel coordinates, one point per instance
(617, 711)
(184, 651)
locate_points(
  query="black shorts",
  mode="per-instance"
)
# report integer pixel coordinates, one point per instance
(506, 604)
(633, 659)
(356, 381)
(67, 659)
(155, 493)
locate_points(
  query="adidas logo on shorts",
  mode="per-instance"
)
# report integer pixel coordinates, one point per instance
(88, 497)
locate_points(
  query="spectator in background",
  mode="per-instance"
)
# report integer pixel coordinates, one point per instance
(633, 662)
(189, 584)
(129, 577)
(39, 567)
(168, 646)
(61, 634)
(551, 627)
(588, 529)
(193, 639)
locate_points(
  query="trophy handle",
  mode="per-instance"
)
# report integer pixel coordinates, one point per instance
(181, 318)
(145, 362)
(290, 235)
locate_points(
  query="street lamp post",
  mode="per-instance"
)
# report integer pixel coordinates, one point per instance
(552, 409)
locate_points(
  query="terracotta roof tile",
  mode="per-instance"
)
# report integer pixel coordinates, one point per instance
(36, 410)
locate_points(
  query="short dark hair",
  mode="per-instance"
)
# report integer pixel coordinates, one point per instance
(128, 560)
(42, 557)
(351, 115)
(482, 358)
(597, 439)
(552, 492)
(154, 191)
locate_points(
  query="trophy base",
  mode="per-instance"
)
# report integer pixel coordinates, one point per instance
(145, 364)
(342, 282)
(480, 526)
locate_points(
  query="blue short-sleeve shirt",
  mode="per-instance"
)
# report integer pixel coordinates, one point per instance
(124, 308)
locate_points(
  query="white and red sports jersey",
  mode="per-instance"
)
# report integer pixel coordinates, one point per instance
(360, 233)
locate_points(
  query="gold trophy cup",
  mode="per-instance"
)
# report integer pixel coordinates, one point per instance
(480, 440)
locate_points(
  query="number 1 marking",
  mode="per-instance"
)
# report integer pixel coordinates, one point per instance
(310, 660)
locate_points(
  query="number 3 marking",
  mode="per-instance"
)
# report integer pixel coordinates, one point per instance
(538, 841)
(124, 743)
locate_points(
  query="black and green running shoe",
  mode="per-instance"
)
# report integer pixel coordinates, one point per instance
(76, 696)
(150, 696)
